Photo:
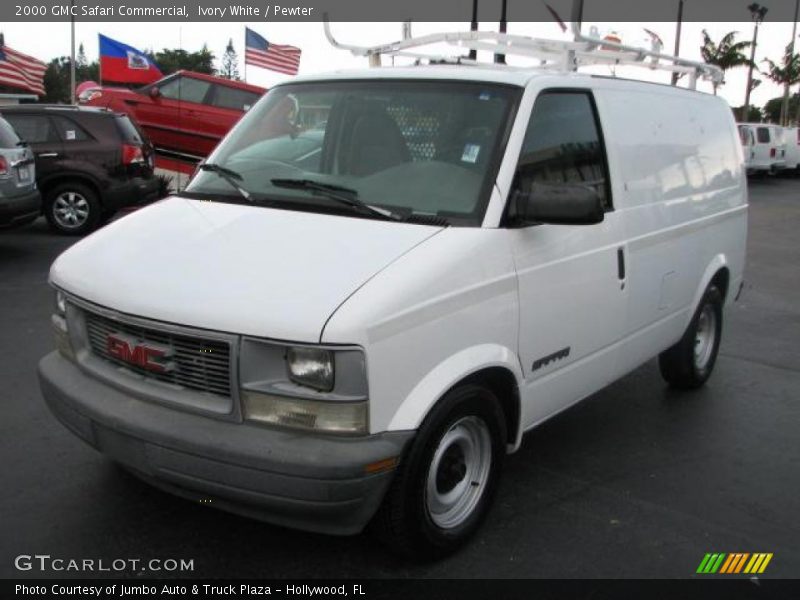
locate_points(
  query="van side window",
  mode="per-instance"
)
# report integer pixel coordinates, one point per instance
(563, 145)
(762, 133)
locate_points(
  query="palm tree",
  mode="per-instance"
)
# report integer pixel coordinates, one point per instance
(727, 54)
(786, 73)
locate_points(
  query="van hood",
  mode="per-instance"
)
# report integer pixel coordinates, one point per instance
(249, 270)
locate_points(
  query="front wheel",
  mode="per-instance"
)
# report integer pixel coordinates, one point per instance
(689, 363)
(445, 483)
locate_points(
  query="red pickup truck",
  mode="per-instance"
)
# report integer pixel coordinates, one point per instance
(185, 112)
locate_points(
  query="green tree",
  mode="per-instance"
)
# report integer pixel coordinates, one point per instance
(772, 109)
(785, 73)
(85, 70)
(81, 60)
(56, 81)
(726, 54)
(171, 60)
(230, 62)
(754, 114)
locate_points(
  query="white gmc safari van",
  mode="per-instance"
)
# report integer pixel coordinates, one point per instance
(381, 279)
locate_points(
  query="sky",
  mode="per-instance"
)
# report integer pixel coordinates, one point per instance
(48, 40)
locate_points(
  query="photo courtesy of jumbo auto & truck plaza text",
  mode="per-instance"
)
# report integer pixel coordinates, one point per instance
(465, 299)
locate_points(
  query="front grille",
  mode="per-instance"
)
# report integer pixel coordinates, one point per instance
(200, 364)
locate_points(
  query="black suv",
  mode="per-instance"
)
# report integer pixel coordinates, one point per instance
(89, 162)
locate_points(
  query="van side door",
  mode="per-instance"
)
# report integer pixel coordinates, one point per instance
(765, 153)
(571, 278)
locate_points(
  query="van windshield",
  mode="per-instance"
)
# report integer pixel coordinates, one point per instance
(425, 149)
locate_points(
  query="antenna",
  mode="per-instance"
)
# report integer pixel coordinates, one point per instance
(501, 58)
(473, 54)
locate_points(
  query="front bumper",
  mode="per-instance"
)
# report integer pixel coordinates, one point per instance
(19, 209)
(316, 483)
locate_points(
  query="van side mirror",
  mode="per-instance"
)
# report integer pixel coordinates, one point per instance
(154, 93)
(557, 204)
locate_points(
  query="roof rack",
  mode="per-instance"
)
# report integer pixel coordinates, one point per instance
(557, 55)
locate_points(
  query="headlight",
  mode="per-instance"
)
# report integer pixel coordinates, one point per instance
(312, 367)
(315, 388)
(301, 413)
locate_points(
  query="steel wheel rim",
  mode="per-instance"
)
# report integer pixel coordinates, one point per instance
(459, 472)
(70, 210)
(705, 337)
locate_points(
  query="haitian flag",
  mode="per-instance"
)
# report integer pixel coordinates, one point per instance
(124, 64)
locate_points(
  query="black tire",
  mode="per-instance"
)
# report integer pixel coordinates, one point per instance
(87, 209)
(681, 366)
(405, 521)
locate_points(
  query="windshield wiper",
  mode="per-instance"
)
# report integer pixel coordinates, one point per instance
(339, 194)
(228, 175)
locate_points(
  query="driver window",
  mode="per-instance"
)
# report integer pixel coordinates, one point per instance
(562, 145)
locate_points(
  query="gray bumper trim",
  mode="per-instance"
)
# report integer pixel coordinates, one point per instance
(315, 483)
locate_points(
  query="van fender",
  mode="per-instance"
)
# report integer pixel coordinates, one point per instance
(444, 376)
(717, 262)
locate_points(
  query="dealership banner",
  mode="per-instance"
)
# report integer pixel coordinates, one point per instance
(381, 10)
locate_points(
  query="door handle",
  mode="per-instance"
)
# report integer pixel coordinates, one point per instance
(621, 266)
(47, 154)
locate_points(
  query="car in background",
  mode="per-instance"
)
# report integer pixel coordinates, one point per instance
(90, 162)
(764, 147)
(791, 136)
(20, 201)
(185, 112)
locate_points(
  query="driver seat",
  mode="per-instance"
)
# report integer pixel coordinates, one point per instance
(376, 143)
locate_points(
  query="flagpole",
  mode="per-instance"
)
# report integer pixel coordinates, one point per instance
(99, 63)
(72, 53)
(245, 54)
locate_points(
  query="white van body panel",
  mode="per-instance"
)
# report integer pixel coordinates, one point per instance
(232, 268)
(444, 310)
(679, 164)
(791, 138)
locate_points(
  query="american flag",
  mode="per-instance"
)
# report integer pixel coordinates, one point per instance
(18, 70)
(260, 53)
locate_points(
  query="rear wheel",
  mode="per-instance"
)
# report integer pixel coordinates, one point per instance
(689, 363)
(445, 483)
(72, 208)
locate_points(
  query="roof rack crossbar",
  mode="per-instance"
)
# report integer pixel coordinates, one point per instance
(552, 54)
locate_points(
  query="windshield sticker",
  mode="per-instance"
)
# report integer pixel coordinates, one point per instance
(484, 96)
(70, 134)
(470, 153)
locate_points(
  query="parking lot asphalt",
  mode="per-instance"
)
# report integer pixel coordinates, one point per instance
(636, 481)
